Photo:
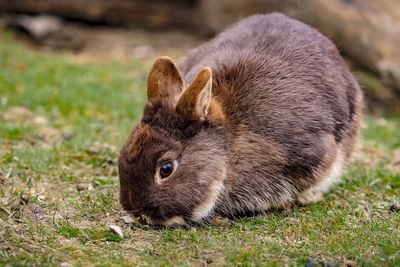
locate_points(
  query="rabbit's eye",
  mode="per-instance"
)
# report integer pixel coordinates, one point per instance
(166, 170)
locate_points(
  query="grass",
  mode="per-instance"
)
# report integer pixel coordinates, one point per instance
(98, 104)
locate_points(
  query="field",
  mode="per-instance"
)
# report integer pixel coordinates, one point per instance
(62, 124)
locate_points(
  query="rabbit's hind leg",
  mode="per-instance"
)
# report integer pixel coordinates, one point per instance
(326, 176)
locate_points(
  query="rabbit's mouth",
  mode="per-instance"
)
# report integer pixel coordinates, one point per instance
(142, 218)
(145, 219)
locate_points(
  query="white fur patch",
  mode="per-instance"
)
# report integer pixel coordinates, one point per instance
(205, 207)
(314, 193)
(278, 203)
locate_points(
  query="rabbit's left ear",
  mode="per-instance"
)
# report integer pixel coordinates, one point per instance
(195, 100)
(164, 79)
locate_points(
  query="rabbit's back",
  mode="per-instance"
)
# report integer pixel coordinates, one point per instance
(287, 92)
(278, 73)
(280, 77)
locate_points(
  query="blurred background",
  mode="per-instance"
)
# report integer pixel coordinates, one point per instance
(367, 33)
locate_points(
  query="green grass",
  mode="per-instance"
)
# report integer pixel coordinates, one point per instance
(98, 103)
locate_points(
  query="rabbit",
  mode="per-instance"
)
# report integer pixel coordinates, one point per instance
(262, 117)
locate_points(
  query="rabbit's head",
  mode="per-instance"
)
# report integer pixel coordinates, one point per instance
(173, 164)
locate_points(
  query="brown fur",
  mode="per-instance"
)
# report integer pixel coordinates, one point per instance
(282, 118)
(194, 101)
(136, 141)
(216, 114)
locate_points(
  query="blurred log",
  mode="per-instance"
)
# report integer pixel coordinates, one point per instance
(368, 32)
(149, 13)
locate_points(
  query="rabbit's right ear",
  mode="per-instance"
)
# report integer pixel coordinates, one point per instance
(164, 79)
(195, 100)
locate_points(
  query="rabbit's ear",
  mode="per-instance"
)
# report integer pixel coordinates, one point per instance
(195, 100)
(164, 79)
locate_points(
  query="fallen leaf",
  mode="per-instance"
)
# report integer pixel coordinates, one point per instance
(116, 230)
(34, 211)
(67, 134)
(294, 221)
(84, 187)
(66, 264)
(220, 221)
(128, 219)
(375, 182)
